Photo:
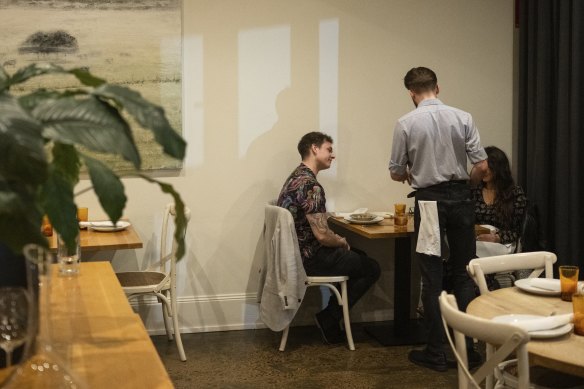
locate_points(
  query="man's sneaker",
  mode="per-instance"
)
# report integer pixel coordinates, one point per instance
(475, 359)
(329, 328)
(429, 360)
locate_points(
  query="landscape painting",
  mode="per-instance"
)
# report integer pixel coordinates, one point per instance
(132, 43)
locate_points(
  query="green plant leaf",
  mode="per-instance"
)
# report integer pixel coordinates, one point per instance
(108, 188)
(31, 100)
(86, 78)
(57, 201)
(3, 79)
(19, 221)
(33, 70)
(22, 154)
(66, 160)
(148, 115)
(180, 220)
(89, 122)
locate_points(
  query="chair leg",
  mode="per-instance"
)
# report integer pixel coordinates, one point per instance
(346, 317)
(166, 318)
(166, 313)
(284, 338)
(490, 381)
(177, 338)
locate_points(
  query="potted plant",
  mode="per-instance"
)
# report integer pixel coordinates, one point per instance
(44, 135)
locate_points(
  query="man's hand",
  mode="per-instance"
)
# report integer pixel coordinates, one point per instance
(322, 232)
(402, 177)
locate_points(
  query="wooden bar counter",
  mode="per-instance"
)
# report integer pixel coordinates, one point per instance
(95, 328)
(96, 332)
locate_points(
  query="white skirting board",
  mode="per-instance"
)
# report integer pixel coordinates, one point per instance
(228, 312)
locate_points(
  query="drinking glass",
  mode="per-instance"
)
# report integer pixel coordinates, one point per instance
(14, 316)
(568, 281)
(399, 209)
(578, 305)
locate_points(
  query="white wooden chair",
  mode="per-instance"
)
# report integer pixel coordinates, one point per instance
(341, 298)
(327, 281)
(502, 340)
(160, 280)
(539, 261)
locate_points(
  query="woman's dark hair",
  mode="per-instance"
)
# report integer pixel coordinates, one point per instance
(504, 183)
(312, 138)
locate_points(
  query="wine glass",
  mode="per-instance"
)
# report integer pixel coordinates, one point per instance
(14, 315)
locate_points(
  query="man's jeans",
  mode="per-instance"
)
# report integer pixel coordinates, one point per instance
(363, 272)
(456, 217)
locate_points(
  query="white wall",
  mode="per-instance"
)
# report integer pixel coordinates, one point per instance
(257, 75)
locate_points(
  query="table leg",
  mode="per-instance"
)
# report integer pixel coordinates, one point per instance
(402, 330)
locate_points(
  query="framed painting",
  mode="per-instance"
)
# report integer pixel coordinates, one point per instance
(133, 43)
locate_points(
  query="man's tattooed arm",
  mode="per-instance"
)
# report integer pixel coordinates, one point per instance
(322, 232)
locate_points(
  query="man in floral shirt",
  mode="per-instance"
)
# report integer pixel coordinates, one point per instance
(324, 253)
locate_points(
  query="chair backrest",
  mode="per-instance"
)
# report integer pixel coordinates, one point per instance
(531, 238)
(538, 261)
(168, 257)
(282, 277)
(505, 337)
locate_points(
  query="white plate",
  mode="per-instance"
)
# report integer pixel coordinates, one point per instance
(525, 285)
(542, 334)
(376, 220)
(108, 226)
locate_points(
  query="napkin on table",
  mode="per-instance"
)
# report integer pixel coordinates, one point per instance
(545, 323)
(545, 283)
(346, 214)
(106, 223)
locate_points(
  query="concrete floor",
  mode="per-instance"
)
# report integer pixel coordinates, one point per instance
(250, 359)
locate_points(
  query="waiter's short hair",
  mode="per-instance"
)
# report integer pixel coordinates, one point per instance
(312, 138)
(420, 79)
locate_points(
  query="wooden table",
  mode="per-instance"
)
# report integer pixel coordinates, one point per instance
(91, 240)
(95, 331)
(402, 330)
(564, 353)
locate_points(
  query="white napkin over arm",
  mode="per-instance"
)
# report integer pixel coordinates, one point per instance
(429, 234)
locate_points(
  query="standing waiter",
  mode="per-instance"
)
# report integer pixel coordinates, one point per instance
(431, 145)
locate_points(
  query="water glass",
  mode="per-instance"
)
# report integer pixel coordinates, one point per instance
(68, 257)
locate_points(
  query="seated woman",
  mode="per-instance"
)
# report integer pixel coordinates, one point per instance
(498, 203)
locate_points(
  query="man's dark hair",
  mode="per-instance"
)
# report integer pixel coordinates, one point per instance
(420, 80)
(312, 138)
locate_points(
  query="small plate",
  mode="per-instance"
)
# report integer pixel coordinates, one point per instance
(542, 334)
(376, 220)
(525, 285)
(108, 226)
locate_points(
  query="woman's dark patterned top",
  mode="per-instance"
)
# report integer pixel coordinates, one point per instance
(485, 214)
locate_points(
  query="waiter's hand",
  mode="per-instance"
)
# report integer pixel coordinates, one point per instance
(402, 177)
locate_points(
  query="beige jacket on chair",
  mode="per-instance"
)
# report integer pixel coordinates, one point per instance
(282, 276)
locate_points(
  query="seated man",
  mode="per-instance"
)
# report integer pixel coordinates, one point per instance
(324, 253)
